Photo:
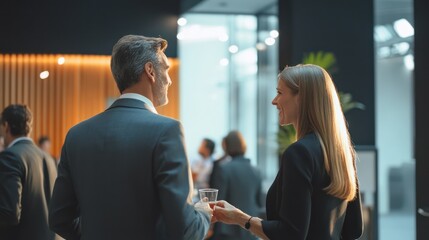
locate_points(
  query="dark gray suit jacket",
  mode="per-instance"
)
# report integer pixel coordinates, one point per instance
(240, 184)
(27, 178)
(124, 174)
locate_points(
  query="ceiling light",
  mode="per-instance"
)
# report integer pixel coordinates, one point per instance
(409, 62)
(182, 21)
(223, 37)
(180, 36)
(382, 34)
(270, 41)
(224, 62)
(233, 49)
(401, 48)
(61, 60)
(403, 28)
(44, 75)
(261, 46)
(383, 52)
(274, 33)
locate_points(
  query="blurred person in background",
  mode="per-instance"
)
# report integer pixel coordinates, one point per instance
(224, 158)
(202, 167)
(27, 177)
(2, 147)
(240, 184)
(44, 143)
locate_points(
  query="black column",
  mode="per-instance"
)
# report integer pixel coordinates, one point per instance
(421, 98)
(344, 28)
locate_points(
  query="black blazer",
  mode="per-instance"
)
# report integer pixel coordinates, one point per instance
(27, 178)
(124, 174)
(297, 205)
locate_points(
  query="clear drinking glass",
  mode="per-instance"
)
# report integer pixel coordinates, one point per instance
(208, 195)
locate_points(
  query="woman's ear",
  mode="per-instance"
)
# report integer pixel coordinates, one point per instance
(150, 71)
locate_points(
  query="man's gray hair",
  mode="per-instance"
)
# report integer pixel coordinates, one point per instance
(129, 56)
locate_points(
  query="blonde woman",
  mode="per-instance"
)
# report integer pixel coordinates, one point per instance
(315, 194)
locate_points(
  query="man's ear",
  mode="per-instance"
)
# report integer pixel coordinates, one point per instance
(6, 127)
(150, 71)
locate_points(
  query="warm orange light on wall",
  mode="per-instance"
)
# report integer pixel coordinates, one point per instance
(77, 88)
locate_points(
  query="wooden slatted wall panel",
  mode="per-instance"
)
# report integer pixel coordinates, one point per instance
(74, 91)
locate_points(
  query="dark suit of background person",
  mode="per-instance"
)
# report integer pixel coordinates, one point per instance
(124, 173)
(27, 178)
(223, 159)
(240, 184)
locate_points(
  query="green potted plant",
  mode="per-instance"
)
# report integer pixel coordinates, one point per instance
(287, 134)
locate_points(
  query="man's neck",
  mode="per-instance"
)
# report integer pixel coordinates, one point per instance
(143, 88)
(9, 139)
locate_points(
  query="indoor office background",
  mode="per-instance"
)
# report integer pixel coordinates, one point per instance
(226, 56)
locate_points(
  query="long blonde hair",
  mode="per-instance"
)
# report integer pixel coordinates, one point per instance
(320, 111)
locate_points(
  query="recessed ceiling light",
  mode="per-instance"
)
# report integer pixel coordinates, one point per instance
(403, 28)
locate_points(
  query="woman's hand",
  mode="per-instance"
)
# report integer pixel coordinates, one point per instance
(227, 213)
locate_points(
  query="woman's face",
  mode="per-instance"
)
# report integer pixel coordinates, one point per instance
(287, 104)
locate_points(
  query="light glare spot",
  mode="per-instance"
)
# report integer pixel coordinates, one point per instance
(61, 60)
(224, 62)
(403, 28)
(180, 36)
(274, 33)
(233, 49)
(261, 46)
(409, 62)
(182, 21)
(44, 75)
(270, 41)
(223, 38)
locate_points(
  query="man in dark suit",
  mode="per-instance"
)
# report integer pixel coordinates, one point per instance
(124, 173)
(27, 178)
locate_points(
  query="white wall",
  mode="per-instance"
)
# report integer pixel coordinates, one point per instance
(394, 120)
(217, 97)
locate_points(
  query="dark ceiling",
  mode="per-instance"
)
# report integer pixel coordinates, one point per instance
(93, 26)
(386, 11)
(83, 26)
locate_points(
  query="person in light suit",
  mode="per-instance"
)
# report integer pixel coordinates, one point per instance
(27, 177)
(124, 173)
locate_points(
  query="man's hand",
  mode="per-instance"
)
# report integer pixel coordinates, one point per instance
(203, 206)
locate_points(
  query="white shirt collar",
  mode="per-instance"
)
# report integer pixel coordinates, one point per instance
(141, 98)
(17, 140)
